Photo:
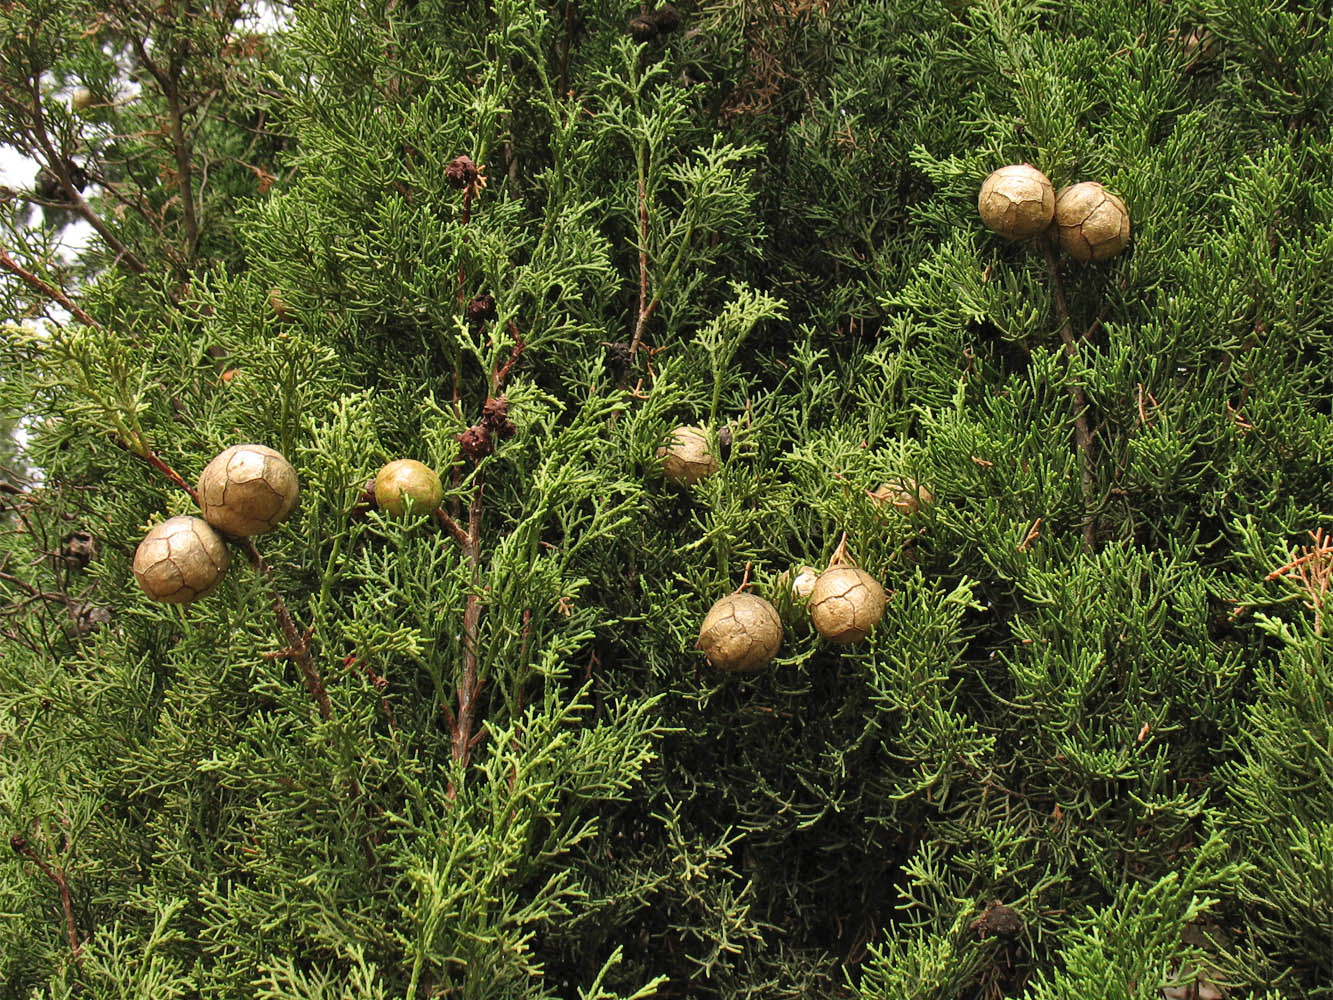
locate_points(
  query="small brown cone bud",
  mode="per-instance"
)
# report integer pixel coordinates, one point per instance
(902, 493)
(78, 549)
(1090, 222)
(461, 172)
(686, 458)
(1016, 201)
(476, 442)
(803, 583)
(247, 490)
(180, 560)
(481, 308)
(741, 632)
(846, 604)
(405, 482)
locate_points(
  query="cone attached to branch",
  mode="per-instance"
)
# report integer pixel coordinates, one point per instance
(247, 490)
(903, 494)
(407, 482)
(1017, 201)
(742, 632)
(847, 602)
(1091, 223)
(686, 457)
(180, 560)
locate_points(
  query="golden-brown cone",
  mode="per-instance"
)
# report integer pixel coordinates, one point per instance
(1017, 201)
(180, 560)
(741, 632)
(685, 457)
(846, 604)
(1091, 223)
(247, 489)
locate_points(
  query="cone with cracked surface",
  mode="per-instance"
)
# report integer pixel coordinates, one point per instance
(903, 494)
(180, 560)
(742, 632)
(846, 603)
(685, 457)
(1016, 201)
(247, 489)
(1091, 223)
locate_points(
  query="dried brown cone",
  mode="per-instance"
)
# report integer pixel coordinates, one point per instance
(495, 418)
(461, 172)
(78, 549)
(407, 481)
(741, 632)
(481, 308)
(846, 604)
(1017, 201)
(903, 494)
(686, 458)
(247, 490)
(476, 442)
(1090, 222)
(180, 560)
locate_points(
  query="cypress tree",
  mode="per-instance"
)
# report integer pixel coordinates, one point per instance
(466, 746)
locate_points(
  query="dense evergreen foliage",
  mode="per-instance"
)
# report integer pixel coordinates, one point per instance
(1088, 752)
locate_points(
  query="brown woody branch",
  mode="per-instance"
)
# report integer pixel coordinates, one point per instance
(21, 846)
(1079, 399)
(469, 686)
(56, 164)
(298, 643)
(169, 81)
(43, 288)
(646, 307)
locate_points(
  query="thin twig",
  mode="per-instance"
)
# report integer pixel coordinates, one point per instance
(50, 291)
(459, 535)
(1082, 434)
(152, 459)
(468, 685)
(298, 645)
(21, 846)
(56, 166)
(502, 373)
(565, 42)
(646, 308)
(466, 218)
(169, 81)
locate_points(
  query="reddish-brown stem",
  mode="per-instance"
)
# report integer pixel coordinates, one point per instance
(41, 287)
(468, 685)
(21, 846)
(502, 373)
(170, 473)
(467, 217)
(646, 308)
(1079, 399)
(298, 645)
(454, 528)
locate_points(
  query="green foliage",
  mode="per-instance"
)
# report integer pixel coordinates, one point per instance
(473, 752)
